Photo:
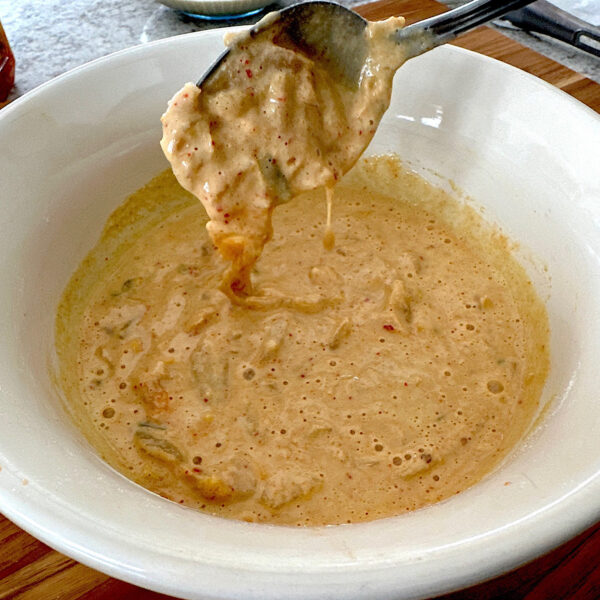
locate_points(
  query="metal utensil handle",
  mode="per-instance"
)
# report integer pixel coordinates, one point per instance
(543, 17)
(428, 34)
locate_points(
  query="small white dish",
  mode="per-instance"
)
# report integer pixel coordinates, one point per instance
(217, 9)
(74, 148)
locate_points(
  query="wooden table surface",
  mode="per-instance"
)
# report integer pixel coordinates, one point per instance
(30, 570)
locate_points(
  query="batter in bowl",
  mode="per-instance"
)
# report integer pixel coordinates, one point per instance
(414, 367)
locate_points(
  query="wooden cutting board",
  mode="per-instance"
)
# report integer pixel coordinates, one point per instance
(30, 570)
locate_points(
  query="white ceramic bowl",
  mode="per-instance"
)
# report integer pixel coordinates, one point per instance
(74, 148)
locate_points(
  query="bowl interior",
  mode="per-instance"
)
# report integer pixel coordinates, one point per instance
(75, 148)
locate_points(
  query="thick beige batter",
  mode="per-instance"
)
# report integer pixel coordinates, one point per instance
(271, 124)
(415, 366)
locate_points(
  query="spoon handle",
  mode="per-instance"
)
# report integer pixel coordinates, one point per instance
(548, 19)
(425, 35)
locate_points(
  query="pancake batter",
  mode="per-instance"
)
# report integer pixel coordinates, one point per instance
(269, 125)
(415, 365)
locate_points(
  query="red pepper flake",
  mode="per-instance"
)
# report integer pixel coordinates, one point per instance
(226, 215)
(186, 95)
(197, 470)
(388, 327)
(405, 384)
(205, 399)
(247, 62)
(237, 286)
(213, 142)
(249, 73)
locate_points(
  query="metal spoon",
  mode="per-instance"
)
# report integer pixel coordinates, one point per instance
(333, 35)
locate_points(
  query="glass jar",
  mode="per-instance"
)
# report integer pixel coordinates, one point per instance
(7, 67)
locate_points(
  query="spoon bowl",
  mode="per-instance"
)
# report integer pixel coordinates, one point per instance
(334, 35)
(323, 31)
